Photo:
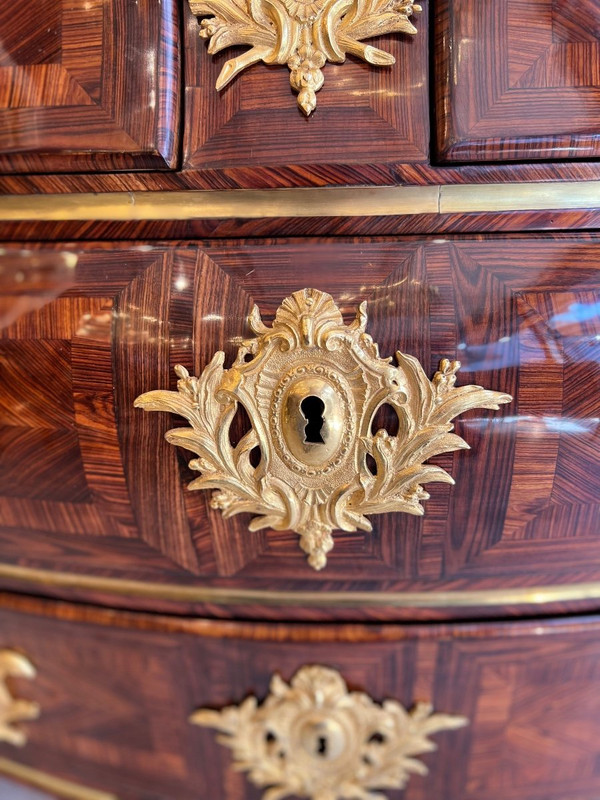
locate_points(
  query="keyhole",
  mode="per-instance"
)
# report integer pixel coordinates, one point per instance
(312, 409)
(322, 746)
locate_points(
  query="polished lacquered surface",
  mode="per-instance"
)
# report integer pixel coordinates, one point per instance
(88, 85)
(517, 79)
(116, 692)
(88, 485)
(253, 133)
(96, 89)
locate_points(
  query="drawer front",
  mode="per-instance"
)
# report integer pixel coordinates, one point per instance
(368, 118)
(93, 498)
(116, 692)
(89, 86)
(517, 80)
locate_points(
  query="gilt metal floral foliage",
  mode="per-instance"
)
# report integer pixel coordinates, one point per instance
(313, 738)
(348, 471)
(304, 34)
(14, 710)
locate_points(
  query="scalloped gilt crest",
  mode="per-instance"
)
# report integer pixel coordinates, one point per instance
(313, 738)
(304, 34)
(333, 487)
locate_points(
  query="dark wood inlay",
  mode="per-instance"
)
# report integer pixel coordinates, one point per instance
(520, 312)
(89, 86)
(517, 80)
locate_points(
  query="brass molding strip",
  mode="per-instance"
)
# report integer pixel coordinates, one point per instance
(383, 201)
(247, 204)
(520, 197)
(48, 783)
(529, 595)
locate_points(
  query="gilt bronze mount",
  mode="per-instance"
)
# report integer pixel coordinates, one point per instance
(314, 738)
(311, 386)
(304, 34)
(14, 710)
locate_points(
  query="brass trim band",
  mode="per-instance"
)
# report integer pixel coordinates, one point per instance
(67, 790)
(382, 201)
(530, 595)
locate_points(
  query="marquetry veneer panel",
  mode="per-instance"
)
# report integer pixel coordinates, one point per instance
(530, 691)
(88, 484)
(519, 79)
(88, 85)
(253, 134)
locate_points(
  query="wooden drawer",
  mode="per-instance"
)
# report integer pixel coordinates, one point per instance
(116, 691)
(512, 80)
(517, 80)
(89, 101)
(97, 88)
(252, 133)
(89, 86)
(94, 500)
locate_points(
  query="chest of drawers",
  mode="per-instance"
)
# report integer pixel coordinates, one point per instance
(156, 646)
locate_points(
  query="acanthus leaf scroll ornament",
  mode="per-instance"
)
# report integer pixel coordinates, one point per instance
(304, 34)
(14, 710)
(314, 738)
(311, 386)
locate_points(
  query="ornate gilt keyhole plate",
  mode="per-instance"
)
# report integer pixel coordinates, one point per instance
(304, 34)
(311, 386)
(314, 738)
